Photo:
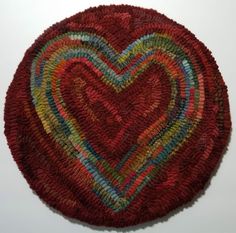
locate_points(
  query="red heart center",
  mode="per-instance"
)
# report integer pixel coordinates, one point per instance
(113, 121)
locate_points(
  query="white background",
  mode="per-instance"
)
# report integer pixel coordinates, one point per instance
(212, 21)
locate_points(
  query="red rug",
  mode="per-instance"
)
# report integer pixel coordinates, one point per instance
(117, 115)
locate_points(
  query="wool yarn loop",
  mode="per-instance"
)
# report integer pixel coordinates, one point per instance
(117, 115)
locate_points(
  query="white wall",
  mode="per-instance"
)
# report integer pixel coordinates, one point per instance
(212, 21)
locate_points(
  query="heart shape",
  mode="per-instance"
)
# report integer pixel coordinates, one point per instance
(95, 69)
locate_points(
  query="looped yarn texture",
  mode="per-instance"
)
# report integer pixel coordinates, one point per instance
(117, 115)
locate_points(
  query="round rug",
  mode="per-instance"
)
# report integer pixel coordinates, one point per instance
(117, 115)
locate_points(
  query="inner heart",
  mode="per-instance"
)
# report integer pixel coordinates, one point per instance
(103, 107)
(109, 120)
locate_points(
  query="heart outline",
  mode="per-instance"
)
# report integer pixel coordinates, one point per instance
(119, 202)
